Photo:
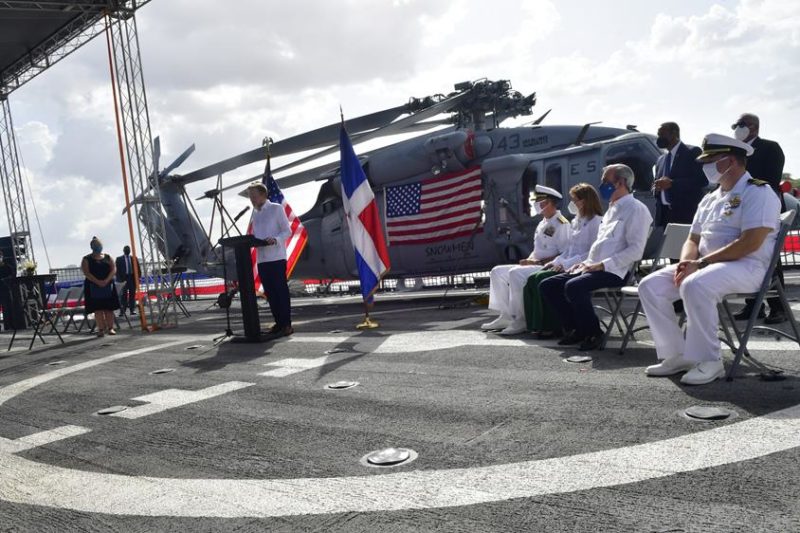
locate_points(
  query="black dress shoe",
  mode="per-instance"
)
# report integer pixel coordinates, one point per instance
(591, 343)
(745, 313)
(775, 317)
(570, 338)
(546, 335)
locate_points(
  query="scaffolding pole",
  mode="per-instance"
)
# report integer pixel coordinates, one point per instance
(157, 301)
(13, 190)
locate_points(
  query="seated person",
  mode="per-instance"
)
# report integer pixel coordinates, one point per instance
(506, 281)
(729, 250)
(585, 205)
(620, 243)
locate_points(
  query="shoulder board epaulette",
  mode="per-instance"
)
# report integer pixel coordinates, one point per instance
(755, 181)
(563, 219)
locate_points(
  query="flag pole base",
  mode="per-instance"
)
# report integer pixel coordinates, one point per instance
(368, 323)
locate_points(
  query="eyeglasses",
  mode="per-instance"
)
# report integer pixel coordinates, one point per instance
(740, 124)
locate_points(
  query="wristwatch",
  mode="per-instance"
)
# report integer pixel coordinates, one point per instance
(702, 263)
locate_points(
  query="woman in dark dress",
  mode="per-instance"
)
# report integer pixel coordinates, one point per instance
(100, 292)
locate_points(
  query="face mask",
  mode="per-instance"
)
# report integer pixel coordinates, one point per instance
(97, 248)
(712, 174)
(572, 208)
(606, 191)
(741, 133)
(537, 208)
(661, 142)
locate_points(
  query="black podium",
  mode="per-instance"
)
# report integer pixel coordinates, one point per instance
(241, 245)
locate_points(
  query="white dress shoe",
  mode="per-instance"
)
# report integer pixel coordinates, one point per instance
(670, 367)
(500, 322)
(515, 328)
(704, 372)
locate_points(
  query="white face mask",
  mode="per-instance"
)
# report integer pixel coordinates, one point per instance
(712, 174)
(572, 208)
(741, 133)
(537, 208)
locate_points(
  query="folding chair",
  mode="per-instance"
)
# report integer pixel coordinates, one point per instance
(671, 245)
(613, 295)
(770, 288)
(76, 293)
(59, 307)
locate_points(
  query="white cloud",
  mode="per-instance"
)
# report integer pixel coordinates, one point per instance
(225, 78)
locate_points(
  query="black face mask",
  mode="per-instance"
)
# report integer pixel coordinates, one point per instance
(662, 142)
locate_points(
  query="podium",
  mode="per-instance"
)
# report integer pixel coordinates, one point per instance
(241, 245)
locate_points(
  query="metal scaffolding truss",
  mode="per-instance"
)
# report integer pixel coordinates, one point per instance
(13, 190)
(135, 121)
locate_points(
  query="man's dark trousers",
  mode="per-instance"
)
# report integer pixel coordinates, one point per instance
(129, 293)
(273, 278)
(571, 297)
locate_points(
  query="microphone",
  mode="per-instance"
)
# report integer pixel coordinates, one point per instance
(242, 212)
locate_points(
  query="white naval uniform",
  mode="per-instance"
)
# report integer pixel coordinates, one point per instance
(582, 235)
(720, 219)
(507, 281)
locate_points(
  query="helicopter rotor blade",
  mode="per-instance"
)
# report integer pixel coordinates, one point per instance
(540, 119)
(313, 174)
(156, 151)
(390, 129)
(320, 137)
(178, 162)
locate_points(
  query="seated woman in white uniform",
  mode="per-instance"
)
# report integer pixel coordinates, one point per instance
(507, 281)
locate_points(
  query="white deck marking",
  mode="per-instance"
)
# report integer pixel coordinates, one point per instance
(15, 389)
(453, 324)
(32, 483)
(423, 341)
(40, 439)
(287, 367)
(158, 402)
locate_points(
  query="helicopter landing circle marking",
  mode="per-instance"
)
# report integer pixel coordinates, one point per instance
(31, 483)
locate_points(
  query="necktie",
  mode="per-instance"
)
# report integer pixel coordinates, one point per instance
(667, 169)
(127, 265)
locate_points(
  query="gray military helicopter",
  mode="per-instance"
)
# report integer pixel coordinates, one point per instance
(511, 161)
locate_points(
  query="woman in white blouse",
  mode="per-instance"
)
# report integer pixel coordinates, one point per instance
(585, 205)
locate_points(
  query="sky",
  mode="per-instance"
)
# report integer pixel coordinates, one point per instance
(224, 75)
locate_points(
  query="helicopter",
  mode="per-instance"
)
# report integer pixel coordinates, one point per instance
(503, 164)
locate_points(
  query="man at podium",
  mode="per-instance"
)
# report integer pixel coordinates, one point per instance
(271, 226)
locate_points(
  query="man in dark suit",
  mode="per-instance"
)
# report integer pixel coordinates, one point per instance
(766, 164)
(679, 183)
(126, 274)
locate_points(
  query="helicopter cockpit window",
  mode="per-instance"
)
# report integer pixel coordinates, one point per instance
(328, 207)
(635, 156)
(552, 176)
(529, 180)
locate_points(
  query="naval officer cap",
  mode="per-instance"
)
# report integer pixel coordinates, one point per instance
(546, 193)
(715, 144)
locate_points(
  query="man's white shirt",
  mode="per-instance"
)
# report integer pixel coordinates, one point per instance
(621, 236)
(270, 221)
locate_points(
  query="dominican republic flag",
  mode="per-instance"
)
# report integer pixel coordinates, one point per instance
(366, 231)
(299, 236)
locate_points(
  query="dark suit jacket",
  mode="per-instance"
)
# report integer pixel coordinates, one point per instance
(122, 270)
(766, 163)
(688, 181)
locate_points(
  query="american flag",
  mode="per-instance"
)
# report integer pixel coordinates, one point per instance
(439, 208)
(296, 241)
